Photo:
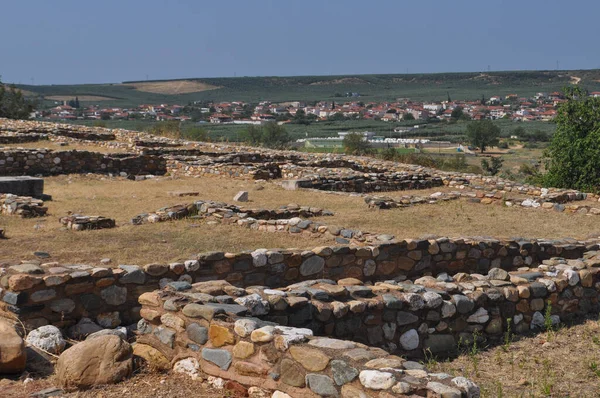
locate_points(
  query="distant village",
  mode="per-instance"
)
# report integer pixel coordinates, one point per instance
(541, 107)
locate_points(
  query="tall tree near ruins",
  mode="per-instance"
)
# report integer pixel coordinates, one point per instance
(573, 157)
(483, 134)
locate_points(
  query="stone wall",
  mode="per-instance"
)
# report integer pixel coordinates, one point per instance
(433, 314)
(62, 294)
(48, 162)
(220, 341)
(19, 138)
(367, 183)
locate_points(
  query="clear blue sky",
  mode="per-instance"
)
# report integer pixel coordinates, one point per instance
(67, 41)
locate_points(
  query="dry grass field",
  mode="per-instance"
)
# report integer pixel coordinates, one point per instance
(172, 241)
(173, 87)
(144, 384)
(540, 366)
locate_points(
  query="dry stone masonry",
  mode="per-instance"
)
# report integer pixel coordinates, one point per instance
(215, 328)
(22, 206)
(78, 222)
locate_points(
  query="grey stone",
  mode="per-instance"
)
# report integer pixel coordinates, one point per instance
(47, 338)
(201, 311)
(83, 328)
(410, 340)
(444, 390)
(464, 305)
(197, 333)
(179, 286)
(14, 298)
(392, 302)
(27, 269)
(221, 358)
(432, 299)
(498, 274)
(538, 289)
(412, 365)
(134, 275)
(109, 319)
(312, 265)
(165, 335)
(241, 196)
(90, 301)
(406, 318)
(321, 385)
(342, 372)
(65, 306)
(114, 295)
(255, 304)
(144, 327)
(43, 295)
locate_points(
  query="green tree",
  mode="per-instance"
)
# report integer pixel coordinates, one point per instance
(573, 156)
(13, 104)
(274, 135)
(408, 116)
(457, 113)
(356, 144)
(483, 134)
(492, 167)
(270, 135)
(252, 135)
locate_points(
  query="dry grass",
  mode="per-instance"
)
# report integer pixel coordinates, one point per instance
(567, 365)
(141, 385)
(123, 199)
(173, 87)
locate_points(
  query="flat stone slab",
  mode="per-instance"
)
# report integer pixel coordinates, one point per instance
(180, 194)
(22, 186)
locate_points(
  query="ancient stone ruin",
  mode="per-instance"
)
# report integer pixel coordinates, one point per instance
(349, 319)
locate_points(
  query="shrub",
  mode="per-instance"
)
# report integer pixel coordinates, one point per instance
(356, 144)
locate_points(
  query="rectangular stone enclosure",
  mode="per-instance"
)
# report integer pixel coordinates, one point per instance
(22, 186)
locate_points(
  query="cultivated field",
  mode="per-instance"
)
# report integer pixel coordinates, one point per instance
(175, 87)
(427, 87)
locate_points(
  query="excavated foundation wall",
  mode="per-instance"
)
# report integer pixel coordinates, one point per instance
(63, 294)
(47, 162)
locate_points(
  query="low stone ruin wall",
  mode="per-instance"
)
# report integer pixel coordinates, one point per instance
(55, 293)
(23, 206)
(79, 222)
(436, 315)
(65, 130)
(221, 210)
(384, 202)
(18, 138)
(218, 340)
(182, 168)
(47, 162)
(367, 183)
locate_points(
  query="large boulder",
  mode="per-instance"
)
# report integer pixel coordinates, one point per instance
(13, 356)
(102, 360)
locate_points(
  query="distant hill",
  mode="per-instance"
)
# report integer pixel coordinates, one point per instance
(428, 87)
